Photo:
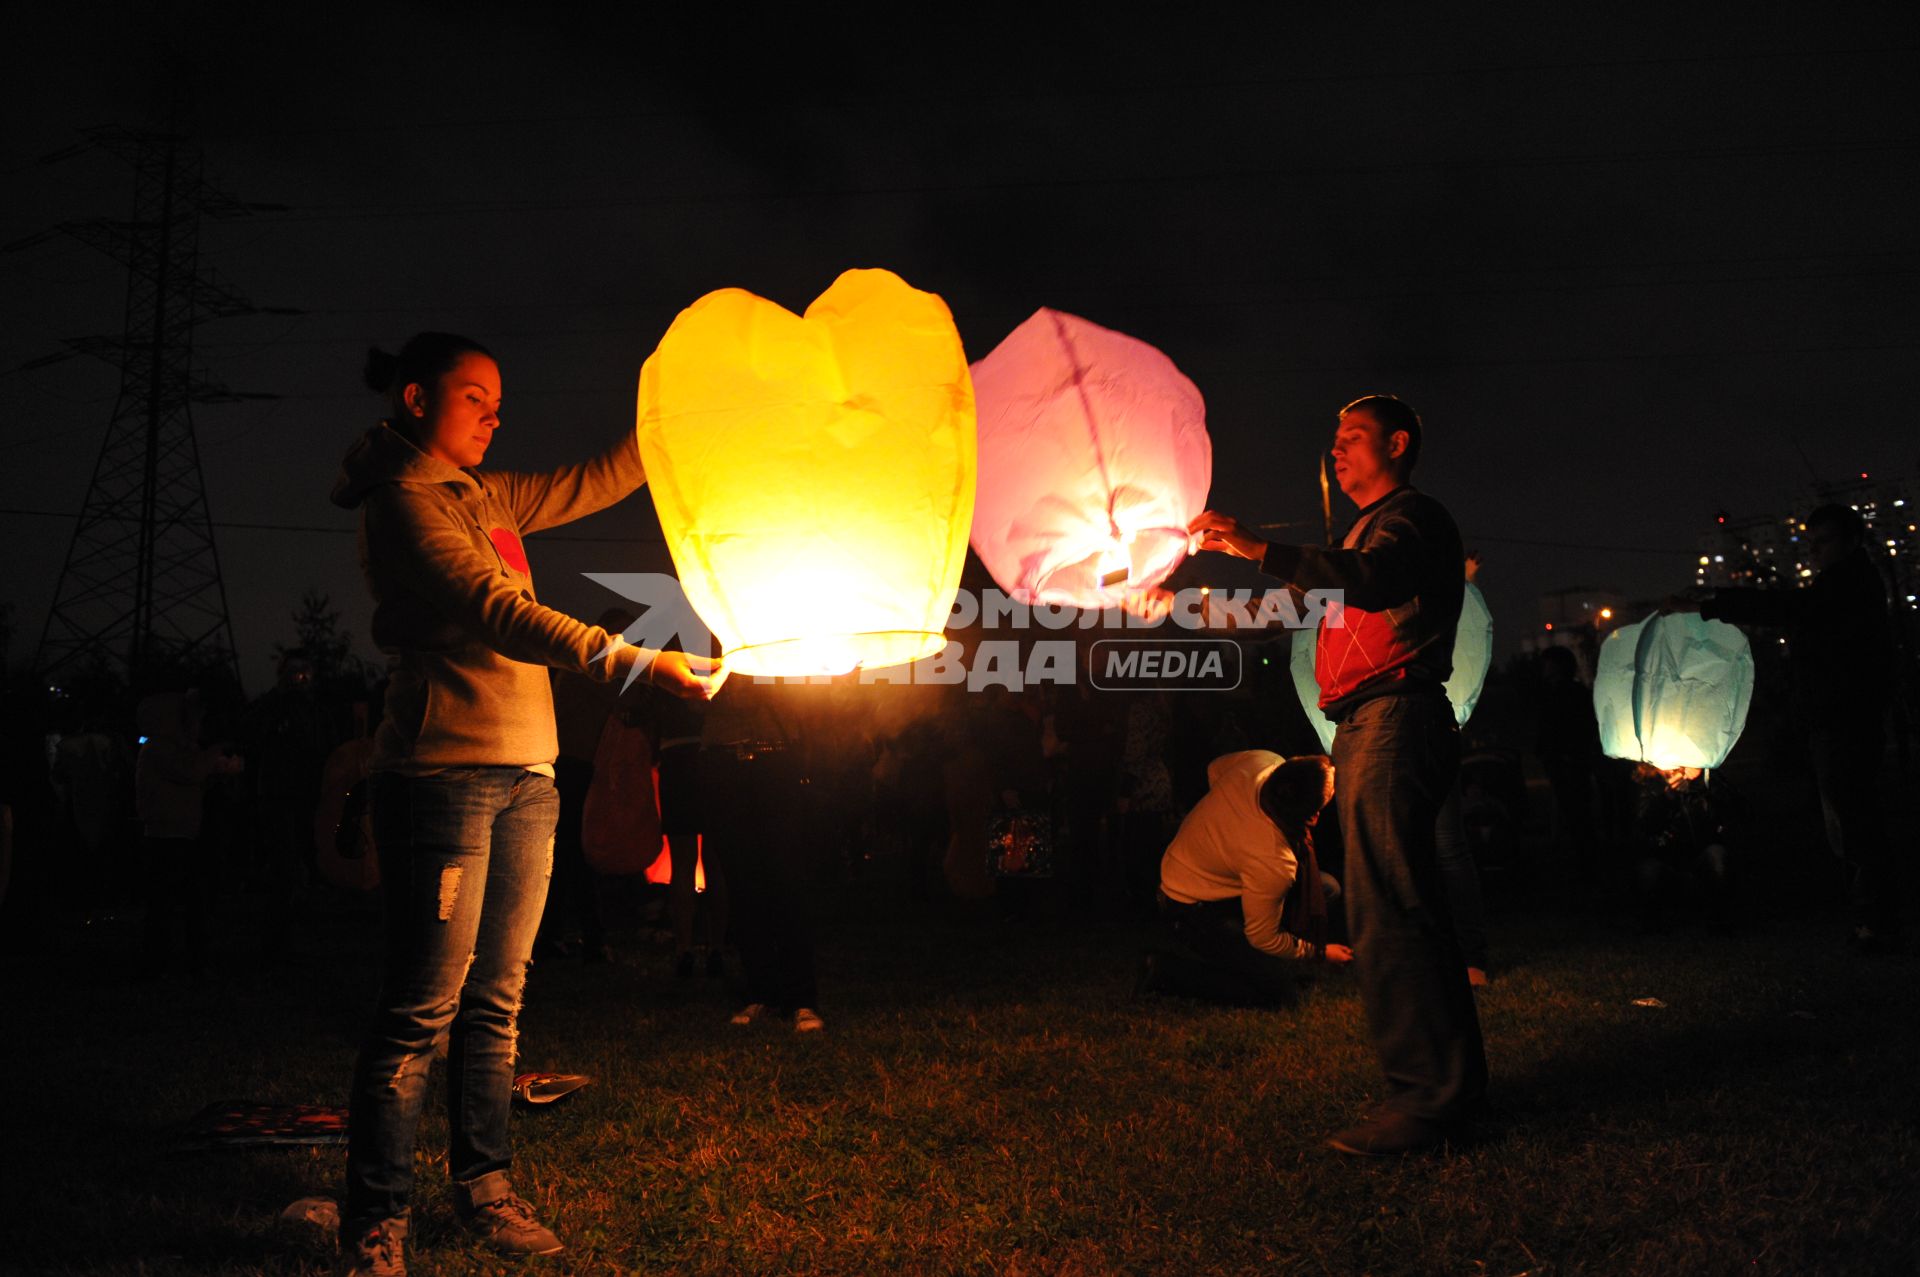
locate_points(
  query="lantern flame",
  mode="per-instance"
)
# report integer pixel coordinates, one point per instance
(1116, 565)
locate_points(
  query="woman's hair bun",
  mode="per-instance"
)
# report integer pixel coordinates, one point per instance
(380, 369)
(424, 358)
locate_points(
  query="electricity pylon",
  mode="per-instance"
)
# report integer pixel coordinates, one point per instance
(140, 592)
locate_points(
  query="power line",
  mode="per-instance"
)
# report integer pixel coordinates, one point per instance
(1294, 361)
(1297, 361)
(1192, 301)
(534, 538)
(1574, 545)
(1540, 268)
(339, 213)
(538, 537)
(1308, 361)
(975, 96)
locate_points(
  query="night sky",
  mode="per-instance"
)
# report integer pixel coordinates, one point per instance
(1629, 268)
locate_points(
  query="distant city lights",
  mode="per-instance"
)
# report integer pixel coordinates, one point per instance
(1772, 550)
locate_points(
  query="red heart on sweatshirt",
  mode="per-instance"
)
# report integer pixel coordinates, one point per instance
(510, 550)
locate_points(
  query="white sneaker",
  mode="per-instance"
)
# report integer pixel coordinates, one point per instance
(807, 1020)
(749, 1013)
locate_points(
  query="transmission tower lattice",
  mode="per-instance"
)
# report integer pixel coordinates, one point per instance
(140, 591)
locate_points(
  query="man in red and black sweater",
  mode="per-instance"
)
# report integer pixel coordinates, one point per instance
(1383, 658)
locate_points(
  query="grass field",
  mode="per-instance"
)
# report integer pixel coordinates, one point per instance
(990, 1098)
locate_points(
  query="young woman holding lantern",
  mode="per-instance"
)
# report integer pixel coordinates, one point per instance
(462, 791)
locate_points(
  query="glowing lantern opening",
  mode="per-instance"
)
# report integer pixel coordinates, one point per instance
(1094, 457)
(1673, 691)
(660, 872)
(814, 475)
(1472, 655)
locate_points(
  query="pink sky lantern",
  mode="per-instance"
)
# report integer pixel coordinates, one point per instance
(1094, 457)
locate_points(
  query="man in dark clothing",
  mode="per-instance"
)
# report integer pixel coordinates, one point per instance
(1680, 844)
(1384, 654)
(288, 737)
(1567, 742)
(1840, 653)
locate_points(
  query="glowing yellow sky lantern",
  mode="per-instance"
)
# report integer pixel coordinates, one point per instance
(814, 475)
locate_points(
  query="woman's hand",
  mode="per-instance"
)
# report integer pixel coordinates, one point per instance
(1151, 606)
(691, 678)
(1338, 954)
(1223, 532)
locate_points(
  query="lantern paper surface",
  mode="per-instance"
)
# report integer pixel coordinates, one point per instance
(1094, 457)
(1472, 654)
(1673, 691)
(814, 475)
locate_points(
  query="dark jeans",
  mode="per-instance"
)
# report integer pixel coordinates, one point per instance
(683, 820)
(1462, 876)
(180, 879)
(283, 835)
(1701, 880)
(572, 887)
(1394, 761)
(1571, 784)
(754, 838)
(1204, 954)
(1847, 758)
(465, 855)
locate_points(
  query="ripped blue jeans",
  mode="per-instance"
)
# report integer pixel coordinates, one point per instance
(465, 855)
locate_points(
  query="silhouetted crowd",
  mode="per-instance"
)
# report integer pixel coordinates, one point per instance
(1057, 798)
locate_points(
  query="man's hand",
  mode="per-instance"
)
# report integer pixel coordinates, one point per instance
(1338, 954)
(1223, 532)
(691, 678)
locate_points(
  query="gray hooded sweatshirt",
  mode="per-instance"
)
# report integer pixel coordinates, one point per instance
(468, 645)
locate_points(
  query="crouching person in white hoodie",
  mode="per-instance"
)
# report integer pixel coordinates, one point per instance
(1242, 902)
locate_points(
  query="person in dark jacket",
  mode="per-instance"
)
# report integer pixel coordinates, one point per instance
(1840, 658)
(170, 783)
(287, 742)
(1567, 743)
(1382, 660)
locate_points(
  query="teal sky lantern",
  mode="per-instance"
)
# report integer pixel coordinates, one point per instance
(1673, 691)
(1472, 654)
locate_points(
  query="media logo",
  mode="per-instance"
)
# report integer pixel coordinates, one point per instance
(1168, 665)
